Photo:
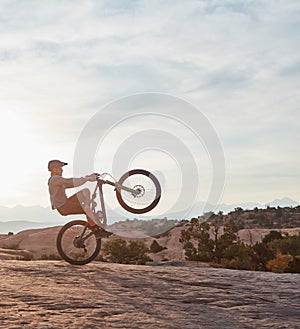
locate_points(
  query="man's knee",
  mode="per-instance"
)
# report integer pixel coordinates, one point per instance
(86, 192)
(84, 195)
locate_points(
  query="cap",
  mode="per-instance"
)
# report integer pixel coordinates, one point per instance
(55, 163)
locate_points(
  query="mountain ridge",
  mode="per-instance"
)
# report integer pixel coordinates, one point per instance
(18, 218)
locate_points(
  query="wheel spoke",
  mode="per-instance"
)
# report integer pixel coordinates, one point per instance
(148, 185)
(77, 244)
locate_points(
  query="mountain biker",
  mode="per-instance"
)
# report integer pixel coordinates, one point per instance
(78, 203)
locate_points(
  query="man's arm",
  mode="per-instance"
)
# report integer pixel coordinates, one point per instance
(74, 182)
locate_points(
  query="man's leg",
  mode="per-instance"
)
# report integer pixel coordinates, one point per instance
(84, 197)
(79, 203)
(99, 231)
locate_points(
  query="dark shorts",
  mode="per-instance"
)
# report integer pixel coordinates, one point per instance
(73, 206)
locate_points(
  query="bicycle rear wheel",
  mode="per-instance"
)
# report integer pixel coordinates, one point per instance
(76, 243)
(148, 187)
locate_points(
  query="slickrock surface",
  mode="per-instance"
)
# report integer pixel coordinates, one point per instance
(54, 294)
(36, 243)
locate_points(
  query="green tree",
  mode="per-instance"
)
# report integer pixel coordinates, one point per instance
(239, 256)
(208, 249)
(262, 254)
(238, 210)
(278, 253)
(288, 245)
(198, 233)
(275, 253)
(226, 240)
(294, 265)
(190, 251)
(205, 247)
(273, 235)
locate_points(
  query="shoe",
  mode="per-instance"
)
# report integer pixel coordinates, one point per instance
(100, 233)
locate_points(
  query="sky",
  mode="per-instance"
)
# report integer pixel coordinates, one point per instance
(236, 62)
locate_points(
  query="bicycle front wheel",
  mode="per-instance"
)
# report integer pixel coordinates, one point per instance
(76, 243)
(147, 186)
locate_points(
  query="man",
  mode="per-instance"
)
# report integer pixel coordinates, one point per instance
(78, 203)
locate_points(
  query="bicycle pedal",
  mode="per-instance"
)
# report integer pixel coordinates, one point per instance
(101, 233)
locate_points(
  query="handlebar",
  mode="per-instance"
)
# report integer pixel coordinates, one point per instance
(101, 181)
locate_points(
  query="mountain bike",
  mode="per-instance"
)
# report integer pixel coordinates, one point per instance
(138, 191)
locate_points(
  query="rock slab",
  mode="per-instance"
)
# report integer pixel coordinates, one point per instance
(54, 294)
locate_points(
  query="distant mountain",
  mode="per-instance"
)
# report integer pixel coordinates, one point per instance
(45, 214)
(21, 218)
(31, 213)
(284, 202)
(36, 216)
(200, 207)
(21, 225)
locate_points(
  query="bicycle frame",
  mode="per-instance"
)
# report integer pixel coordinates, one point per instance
(100, 183)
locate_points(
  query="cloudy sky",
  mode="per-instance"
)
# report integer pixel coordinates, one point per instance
(236, 61)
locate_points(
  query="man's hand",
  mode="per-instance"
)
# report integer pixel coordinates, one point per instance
(92, 177)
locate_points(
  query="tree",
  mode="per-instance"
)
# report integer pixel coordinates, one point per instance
(288, 245)
(262, 254)
(238, 210)
(278, 253)
(273, 235)
(198, 233)
(226, 240)
(239, 256)
(294, 265)
(206, 242)
(205, 247)
(190, 251)
(215, 225)
(208, 249)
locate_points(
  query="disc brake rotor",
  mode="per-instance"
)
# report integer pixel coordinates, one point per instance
(140, 189)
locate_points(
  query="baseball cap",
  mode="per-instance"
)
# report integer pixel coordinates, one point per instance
(55, 163)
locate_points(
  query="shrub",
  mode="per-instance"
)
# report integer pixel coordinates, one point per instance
(280, 263)
(294, 265)
(156, 247)
(120, 251)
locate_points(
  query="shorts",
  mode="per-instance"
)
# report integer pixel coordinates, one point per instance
(73, 206)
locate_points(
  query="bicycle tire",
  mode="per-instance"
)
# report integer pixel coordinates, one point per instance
(150, 189)
(67, 243)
